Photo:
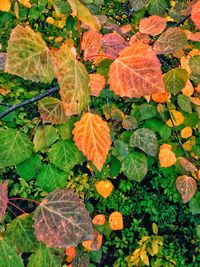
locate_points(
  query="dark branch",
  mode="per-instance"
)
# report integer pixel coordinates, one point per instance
(29, 101)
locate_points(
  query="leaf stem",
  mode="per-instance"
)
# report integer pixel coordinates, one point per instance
(27, 199)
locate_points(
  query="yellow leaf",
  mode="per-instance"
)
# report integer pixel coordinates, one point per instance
(25, 3)
(104, 188)
(177, 118)
(5, 5)
(189, 144)
(50, 20)
(155, 228)
(166, 156)
(186, 132)
(116, 221)
(161, 97)
(144, 257)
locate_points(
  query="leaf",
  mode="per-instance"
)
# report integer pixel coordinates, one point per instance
(155, 229)
(92, 137)
(129, 123)
(116, 221)
(146, 140)
(138, 65)
(94, 243)
(61, 220)
(144, 257)
(160, 97)
(84, 14)
(186, 165)
(97, 83)
(152, 25)
(91, 44)
(46, 257)
(188, 90)
(157, 7)
(187, 187)
(64, 155)
(73, 80)
(99, 219)
(51, 110)
(195, 14)
(184, 103)
(8, 255)
(194, 204)
(177, 118)
(20, 233)
(194, 64)
(25, 3)
(44, 137)
(175, 80)
(5, 5)
(166, 156)
(50, 178)
(28, 56)
(15, 147)
(186, 132)
(70, 253)
(170, 41)
(104, 188)
(195, 100)
(138, 4)
(3, 200)
(135, 166)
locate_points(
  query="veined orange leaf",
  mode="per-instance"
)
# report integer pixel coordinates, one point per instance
(186, 186)
(97, 83)
(84, 14)
(91, 44)
(92, 137)
(152, 25)
(195, 14)
(28, 56)
(166, 156)
(73, 80)
(136, 72)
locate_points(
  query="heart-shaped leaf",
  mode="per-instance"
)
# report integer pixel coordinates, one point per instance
(104, 188)
(187, 187)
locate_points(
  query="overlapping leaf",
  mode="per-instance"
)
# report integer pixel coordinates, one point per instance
(15, 147)
(51, 110)
(170, 41)
(97, 83)
(187, 187)
(61, 220)
(195, 14)
(152, 25)
(194, 64)
(28, 56)
(91, 44)
(3, 200)
(73, 80)
(92, 137)
(136, 72)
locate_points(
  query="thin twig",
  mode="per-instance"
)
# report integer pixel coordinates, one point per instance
(29, 101)
(6, 105)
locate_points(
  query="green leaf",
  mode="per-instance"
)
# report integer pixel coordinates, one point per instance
(157, 7)
(146, 111)
(194, 204)
(65, 129)
(65, 155)
(121, 149)
(135, 166)
(194, 64)
(51, 178)
(145, 140)
(29, 168)
(46, 257)
(155, 124)
(185, 103)
(191, 120)
(138, 4)
(21, 233)
(28, 56)
(95, 256)
(175, 80)
(8, 255)
(165, 132)
(15, 147)
(44, 137)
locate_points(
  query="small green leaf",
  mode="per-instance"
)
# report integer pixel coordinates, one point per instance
(15, 147)
(194, 64)
(194, 204)
(185, 103)
(157, 7)
(175, 80)
(121, 149)
(135, 166)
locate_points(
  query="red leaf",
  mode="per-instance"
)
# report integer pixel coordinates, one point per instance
(152, 25)
(195, 14)
(186, 186)
(97, 83)
(3, 200)
(136, 72)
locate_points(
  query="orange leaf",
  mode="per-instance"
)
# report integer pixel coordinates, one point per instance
(186, 132)
(197, 89)
(140, 67)
(195, 14)
(177, 118)
(92, 137)
(152, 25)
(70, 253)
(195, 100)
(5, 5)
(126, 28)
(186, 186)
(4, 91)
(95, 243)
(97, 83)
(142, 37)
(160, 97)
(166, 156)
(186, 165)
(188, 90)
(91, 44)
(116, 221)
(99, 219)
(104, 188)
